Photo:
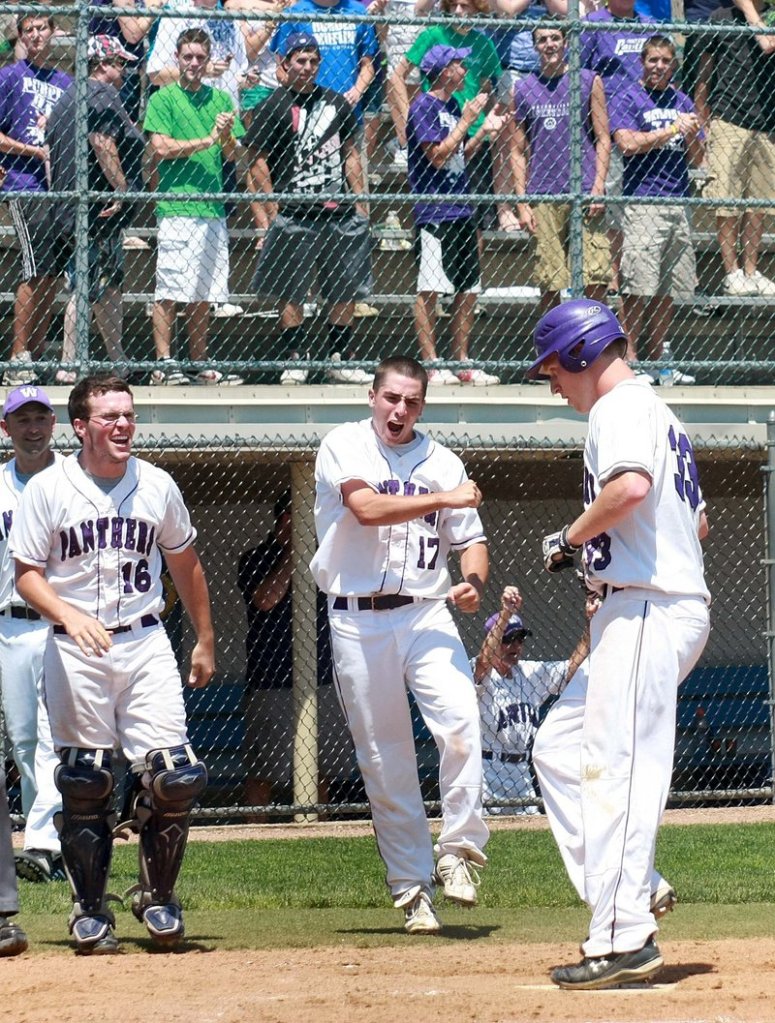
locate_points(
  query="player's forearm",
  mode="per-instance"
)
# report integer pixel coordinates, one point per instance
(475, 566)
(35, 590)
(371, 509)
(616, 501)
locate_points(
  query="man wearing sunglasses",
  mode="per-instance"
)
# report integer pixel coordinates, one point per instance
(511, 693)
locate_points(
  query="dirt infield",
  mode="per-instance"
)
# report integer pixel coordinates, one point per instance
(718, 982)
(465, 981)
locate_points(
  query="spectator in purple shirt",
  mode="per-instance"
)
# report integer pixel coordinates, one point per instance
(542, 166)
(29, 89)
(446, 249)
(657, 130)
(616, 58)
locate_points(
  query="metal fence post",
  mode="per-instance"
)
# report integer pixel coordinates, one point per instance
(769, 516)
(82, 304)
(305, 650)
(576, 241)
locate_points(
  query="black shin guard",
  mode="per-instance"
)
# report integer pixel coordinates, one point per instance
(85, 780)
(174, 780)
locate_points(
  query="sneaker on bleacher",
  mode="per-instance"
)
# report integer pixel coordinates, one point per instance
(168, 374)
(763, 285)
(441, 377)
(293, 375)
(341, 373)
(739, 285)
(223, 310)
(477, 377)
(400, 161)
(20, 371)
(213, 377)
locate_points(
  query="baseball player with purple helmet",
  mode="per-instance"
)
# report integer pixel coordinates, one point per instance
(88, 545)
(390, 505)
(640, 533)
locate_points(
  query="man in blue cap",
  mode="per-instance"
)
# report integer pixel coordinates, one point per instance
(439, 145)
(28, 419)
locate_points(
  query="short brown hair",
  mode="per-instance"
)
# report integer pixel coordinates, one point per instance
(193, 36)
(481, 6)
(658, 42)
(93, 387)
(406, 366)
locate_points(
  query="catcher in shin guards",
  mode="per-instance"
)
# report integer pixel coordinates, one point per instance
(88, 543)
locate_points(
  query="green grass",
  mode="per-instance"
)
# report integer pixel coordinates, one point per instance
(330, 891)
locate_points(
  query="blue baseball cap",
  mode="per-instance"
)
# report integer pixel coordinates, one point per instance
(438, 57)
(27, 394)
(513, 626)
(300, 41)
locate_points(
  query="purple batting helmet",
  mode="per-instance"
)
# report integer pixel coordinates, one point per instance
(577, 331)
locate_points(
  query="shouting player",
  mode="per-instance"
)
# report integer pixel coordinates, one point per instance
(88, 542)
(390, 504)
(640, 530)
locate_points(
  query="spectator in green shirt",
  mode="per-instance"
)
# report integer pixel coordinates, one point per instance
(193, 126)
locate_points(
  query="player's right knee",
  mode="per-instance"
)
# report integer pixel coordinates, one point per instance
(85, 779)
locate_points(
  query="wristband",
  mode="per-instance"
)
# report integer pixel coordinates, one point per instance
(565, 545)
(674, 130)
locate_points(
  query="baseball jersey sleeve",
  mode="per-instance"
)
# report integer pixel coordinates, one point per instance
(175, 532)
(31, 537)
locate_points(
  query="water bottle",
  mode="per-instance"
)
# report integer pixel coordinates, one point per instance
(666, 376)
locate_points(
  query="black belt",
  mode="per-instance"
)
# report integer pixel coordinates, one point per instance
(386, 602)
(506, 758)
(21, 611)
(608, 590)
(145, 622)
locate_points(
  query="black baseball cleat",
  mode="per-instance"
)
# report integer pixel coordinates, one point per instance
(39, 866)
(13, 940)
(610, 970)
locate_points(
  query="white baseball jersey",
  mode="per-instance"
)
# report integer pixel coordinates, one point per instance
(11, 489)
(408, 558)
(509, 707)
(657, 547)
(102, 552)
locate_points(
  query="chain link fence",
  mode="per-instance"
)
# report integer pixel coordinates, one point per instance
(301, 239)
(269, 727)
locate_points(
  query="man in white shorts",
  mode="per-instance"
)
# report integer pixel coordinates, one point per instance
(88, 542)
(193, 128)
(390, 505)
(640, 530)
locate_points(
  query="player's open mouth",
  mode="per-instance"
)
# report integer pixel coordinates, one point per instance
(395, 429)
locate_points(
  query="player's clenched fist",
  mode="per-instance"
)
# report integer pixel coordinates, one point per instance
(467, 495)
(511, 599)
(558, 551)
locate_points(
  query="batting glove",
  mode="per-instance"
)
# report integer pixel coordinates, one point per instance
(558, 551)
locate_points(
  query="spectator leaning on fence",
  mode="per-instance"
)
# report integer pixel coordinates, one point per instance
(192, 127)
(446, 244)
(114, 161)
(734, 96)
(543, 166)
(511, 693)
(29, 89)
(489, 166)
(615, 56)
(303, 140)
(655, 127)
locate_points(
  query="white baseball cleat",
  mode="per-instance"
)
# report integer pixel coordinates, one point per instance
(663, 900)
(459, 878)
(419, 914)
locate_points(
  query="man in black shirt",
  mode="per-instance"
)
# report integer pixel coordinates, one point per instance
(734, 93)
(303, 140)
(114, 162)
(264, 579)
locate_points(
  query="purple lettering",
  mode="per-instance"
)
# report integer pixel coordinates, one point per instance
(116, 532)
(74, 548)
(87, 536)
(151, 540)
(102, 533)
(131, 528)
(142, 537)
(63, 542)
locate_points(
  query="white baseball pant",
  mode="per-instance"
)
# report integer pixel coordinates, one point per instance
(22, 644)
(377, 656)
(604, 758)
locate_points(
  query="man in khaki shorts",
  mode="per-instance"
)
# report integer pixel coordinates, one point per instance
(542, 144)
(734, 93)
(658, 132)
